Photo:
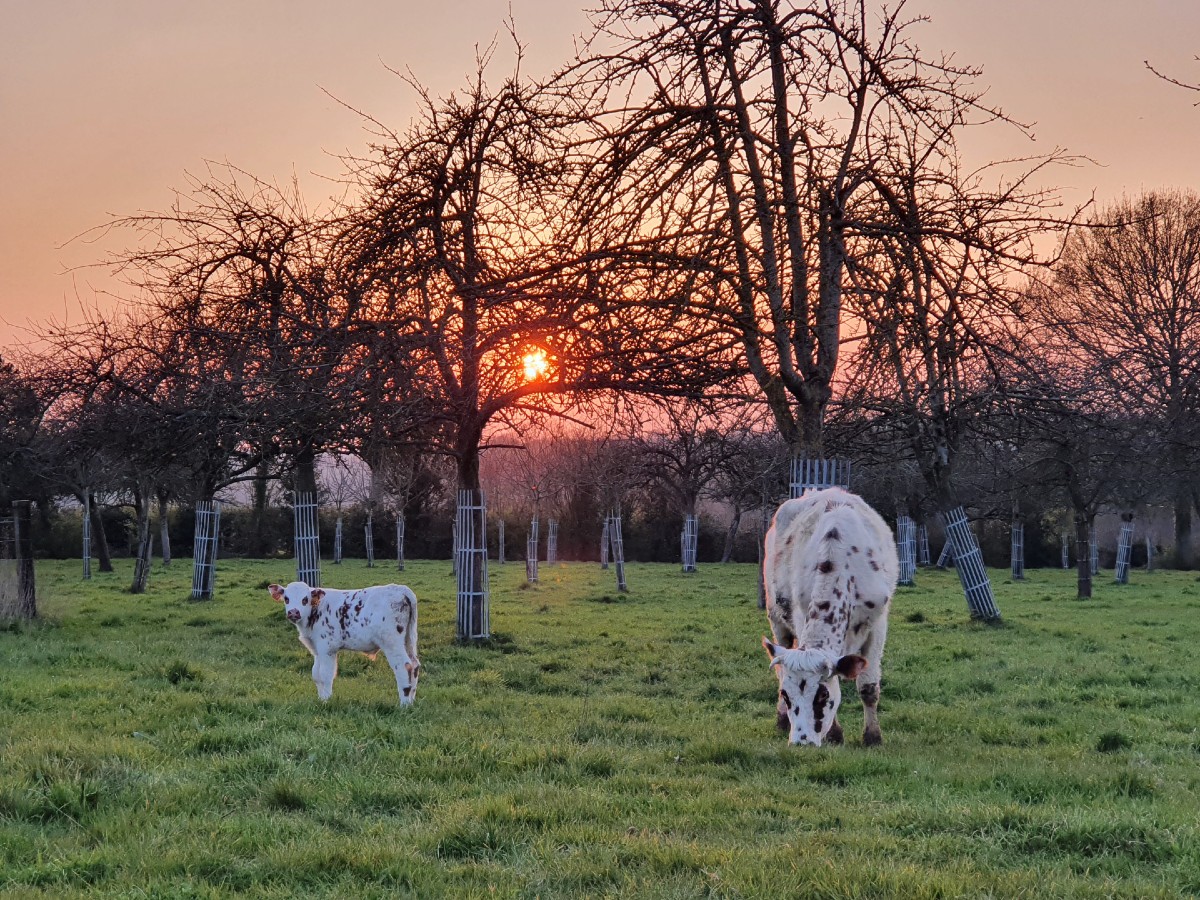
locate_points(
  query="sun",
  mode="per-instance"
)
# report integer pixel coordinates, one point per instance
(536, 363)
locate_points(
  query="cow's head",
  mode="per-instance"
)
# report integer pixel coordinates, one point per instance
(810, 689)
(297, 599)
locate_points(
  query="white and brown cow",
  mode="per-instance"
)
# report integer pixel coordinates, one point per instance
(830, 571)
(369, 620)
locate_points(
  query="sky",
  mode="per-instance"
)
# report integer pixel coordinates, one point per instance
(105, 107)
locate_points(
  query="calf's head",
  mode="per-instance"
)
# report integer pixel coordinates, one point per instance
(298, 599)
(810, 689)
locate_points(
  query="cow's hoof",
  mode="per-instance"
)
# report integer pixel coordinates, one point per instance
(835, 735)
(872, 738)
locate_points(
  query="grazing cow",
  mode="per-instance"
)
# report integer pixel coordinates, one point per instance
(830, 571)
(369, 619)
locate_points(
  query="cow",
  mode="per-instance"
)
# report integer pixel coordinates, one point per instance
(369, 619)
(829, 570)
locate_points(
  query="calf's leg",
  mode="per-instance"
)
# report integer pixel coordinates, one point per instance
(868, 683)
(323, 673)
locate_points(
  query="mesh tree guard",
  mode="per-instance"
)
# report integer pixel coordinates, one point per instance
(369, 538)
(164, 532)
(337, 542)
(531, 553)
(204, 555)
(604, 544)
(1017, 551)
(618, 551)
(813, 473)
(306, 539)
(500, 542)
(688, 541)
(552, 542)
(8, 568)
(400, 542)
(87, 534)
(946, 557)
(1093, 550)
(1124, 551)
(471, 568)
(923, 544)
(1149, 554)
(906, 549)
(968, 560)
(1066, 550)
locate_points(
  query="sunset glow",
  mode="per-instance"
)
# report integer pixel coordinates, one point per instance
(537, 364)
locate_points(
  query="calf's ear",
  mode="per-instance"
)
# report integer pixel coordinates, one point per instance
(315, 595)
(773, 651)
(849, 666)
(276, 592)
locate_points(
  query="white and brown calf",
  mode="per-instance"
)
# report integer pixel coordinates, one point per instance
(830, 571)
(369, 620)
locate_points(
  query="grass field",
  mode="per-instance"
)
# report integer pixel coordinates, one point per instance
(602, 745)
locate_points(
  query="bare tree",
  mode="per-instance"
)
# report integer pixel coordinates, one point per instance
(1126, 299)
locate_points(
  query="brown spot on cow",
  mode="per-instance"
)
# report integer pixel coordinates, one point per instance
(400, 629)
(870, 604)
(874, 566)
(825, 567)
(831, 619)
(823, 605)
(833, 535)
(859, 627)
(854, 549)
(820, 698)
(869, 694)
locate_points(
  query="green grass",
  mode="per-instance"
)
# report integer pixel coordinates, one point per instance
(601, 745)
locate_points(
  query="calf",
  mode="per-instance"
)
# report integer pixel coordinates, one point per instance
(369, 619)
(830, 571)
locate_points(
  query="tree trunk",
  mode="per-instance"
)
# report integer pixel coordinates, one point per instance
(99, 538)
(1184, 557)
(141, 566)
(26, 585)
(1083, 554)
(306, 471)
(731, 534)
(164, 531)
(260, 510)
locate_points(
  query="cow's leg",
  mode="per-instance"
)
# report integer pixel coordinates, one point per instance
(323, 673)
(405, 671)
(868, 682)
(779, 616)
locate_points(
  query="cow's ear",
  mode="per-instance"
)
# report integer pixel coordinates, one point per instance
(276, 592)
(315, 595)
(773, 651)
(849, 666)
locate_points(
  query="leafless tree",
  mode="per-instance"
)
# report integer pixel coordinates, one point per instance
(761, 137)
(1126, 300)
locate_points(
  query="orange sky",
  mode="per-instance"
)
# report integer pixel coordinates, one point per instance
(105, 106)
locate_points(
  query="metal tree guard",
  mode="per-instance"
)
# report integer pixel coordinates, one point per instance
(1149, 554)
(688, 541)
(369, 537)
(306, 539)
(531, 553)
(618, 551)
(923, 544)
(87, 534)
(946, 557)
(1124, 551)
(1018, 550)
(337, 542)
(471, 567)
(813, 473)
(552, 542)
(204, 556)
(906, 550)
(500, 542)
(1093, 550)
(1066, 550)
(968, 560)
